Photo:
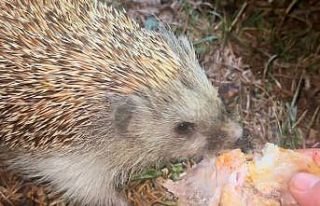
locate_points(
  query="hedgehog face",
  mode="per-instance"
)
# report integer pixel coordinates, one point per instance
(199, 118)
(182, 121)
(177, 109)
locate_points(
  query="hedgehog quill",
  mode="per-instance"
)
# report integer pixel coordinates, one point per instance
(87, 98)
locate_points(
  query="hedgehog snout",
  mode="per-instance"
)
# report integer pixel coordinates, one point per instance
(224, 136)
(232, 129)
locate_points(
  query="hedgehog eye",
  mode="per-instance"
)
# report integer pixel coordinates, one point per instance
(184, 128)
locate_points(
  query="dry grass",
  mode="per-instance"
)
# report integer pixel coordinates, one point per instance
(16, 191)
(269, 51)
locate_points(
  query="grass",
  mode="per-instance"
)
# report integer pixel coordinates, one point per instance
(276, 36)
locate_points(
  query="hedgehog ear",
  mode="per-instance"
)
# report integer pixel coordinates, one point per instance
(122, 108)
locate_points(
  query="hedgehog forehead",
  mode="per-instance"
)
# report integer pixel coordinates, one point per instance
(196, 104)
(188, 95)
(180, 102)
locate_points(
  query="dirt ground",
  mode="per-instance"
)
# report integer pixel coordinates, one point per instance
(263, 55)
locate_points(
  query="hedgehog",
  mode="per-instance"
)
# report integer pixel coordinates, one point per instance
(88, 98)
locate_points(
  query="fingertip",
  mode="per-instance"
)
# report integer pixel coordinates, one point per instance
(305, 188)
(303, 182)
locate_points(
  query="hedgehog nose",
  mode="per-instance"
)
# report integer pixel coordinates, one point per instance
(236, 137)
(225, 135)
(244, 143)
(233, 130)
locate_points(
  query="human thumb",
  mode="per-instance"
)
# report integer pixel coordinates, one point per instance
(305, 188)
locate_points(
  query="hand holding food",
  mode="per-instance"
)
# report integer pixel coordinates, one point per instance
(235, 178)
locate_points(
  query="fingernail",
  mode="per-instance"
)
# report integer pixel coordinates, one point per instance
(303, 182)
(316, 157)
